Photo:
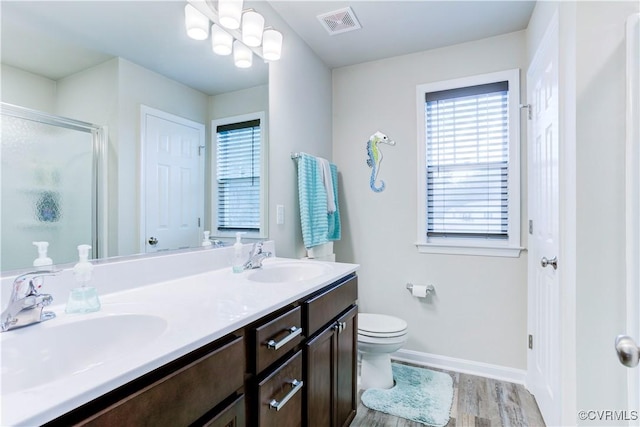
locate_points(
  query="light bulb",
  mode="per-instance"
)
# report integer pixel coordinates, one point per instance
(242, 55)
(252, 27)
(197, 24)
(221, 41)
(272, 45)
(230, 13)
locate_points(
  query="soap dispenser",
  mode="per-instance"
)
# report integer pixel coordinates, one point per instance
(83, 299)
(43, 262)
(206, 241)
(238, 260)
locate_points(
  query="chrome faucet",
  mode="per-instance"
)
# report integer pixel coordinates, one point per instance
(256, 257)
(26, 303)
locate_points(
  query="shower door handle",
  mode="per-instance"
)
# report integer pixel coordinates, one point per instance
(153, 241)
(628, 351)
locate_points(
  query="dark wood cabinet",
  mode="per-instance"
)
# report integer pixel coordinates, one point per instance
(293, 367)
(180, 393)
(330, 366)
(331, 357)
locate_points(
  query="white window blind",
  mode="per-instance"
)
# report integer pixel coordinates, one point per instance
(467, 158)
(238, 176)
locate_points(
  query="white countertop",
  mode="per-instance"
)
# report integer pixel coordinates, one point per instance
(198, 309)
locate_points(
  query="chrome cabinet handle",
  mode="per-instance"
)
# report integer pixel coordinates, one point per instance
(553, 262)
(628, 351)
(294, 331)
(153, 241)
(339, 326)
(296, 386)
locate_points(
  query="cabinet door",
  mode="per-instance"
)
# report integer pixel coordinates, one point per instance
(346, 387)
(320, 356)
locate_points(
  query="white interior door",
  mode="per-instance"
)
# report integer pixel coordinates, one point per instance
(543, 361)
(173, 181)
(633, 203)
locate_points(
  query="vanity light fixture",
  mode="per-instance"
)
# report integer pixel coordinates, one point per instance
(221, 41)
(244, 33)
(197, 24)
(252, 28)
(230, 13)
(242, 55)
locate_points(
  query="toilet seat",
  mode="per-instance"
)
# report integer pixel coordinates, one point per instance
(380, 326)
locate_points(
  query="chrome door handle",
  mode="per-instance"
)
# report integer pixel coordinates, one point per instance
(295, 387)
(553, 262)
(628, 351)
(153, 241)
(294, 331)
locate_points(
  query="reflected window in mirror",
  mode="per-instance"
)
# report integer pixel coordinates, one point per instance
(239, 185)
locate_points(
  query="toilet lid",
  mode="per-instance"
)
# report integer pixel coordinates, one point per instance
(380, 325)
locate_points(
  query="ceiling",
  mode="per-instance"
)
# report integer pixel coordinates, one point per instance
(58, 38)
(393, 27)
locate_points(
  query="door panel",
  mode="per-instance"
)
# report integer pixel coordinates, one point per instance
(173, 207)
(544, 285)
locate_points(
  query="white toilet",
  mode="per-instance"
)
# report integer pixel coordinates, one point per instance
(379, 335)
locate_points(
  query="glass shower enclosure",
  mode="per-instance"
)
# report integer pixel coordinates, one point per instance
(50, 186)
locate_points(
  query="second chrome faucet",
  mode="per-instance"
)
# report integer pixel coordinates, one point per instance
(256, 257)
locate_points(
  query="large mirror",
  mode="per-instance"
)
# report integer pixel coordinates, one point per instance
(103, 63)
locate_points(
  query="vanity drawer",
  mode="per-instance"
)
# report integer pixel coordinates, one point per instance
(183, 396)
(324, 307)
(280, 395)
(275, 338)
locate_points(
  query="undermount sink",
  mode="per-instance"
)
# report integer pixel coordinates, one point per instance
(287, 272)
(39, 354)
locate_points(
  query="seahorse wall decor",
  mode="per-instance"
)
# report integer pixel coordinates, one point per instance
(375, 158)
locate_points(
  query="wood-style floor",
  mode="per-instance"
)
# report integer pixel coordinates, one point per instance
(477, 401)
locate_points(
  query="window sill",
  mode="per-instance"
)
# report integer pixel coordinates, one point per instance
(468, 249)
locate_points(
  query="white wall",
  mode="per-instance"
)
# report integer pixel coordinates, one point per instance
(111, 94)
(28, 90)
(479, 313)
(299, 120)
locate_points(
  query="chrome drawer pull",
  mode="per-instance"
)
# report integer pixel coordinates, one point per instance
(294, 331)
(296, 386)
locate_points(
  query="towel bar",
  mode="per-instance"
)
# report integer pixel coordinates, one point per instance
(295, 156)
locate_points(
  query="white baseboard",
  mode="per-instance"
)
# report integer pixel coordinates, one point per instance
(481, 369)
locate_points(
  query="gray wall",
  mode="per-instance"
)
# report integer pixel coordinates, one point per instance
(480, 311)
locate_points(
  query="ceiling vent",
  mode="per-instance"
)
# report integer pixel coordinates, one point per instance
(339, 21)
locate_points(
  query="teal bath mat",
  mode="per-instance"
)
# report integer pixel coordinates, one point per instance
(419, 395)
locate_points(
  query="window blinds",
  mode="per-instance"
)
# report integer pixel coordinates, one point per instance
(468, 162)
(238, 176)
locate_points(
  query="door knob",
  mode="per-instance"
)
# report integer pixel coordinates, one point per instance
(153, 241)
(628, 351)
(553, 262)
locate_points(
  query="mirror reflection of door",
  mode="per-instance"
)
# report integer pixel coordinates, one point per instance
(173, 181)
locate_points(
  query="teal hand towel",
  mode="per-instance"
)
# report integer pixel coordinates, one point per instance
(312, 197)
(334, 217)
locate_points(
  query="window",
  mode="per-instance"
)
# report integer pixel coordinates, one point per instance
(469, 163)
(239, 180)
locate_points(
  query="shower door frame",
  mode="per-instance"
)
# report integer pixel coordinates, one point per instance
(99, 137)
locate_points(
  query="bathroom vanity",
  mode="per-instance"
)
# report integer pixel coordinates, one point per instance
(269, 347)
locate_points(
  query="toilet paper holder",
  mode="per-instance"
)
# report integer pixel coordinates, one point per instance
(430, 288)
